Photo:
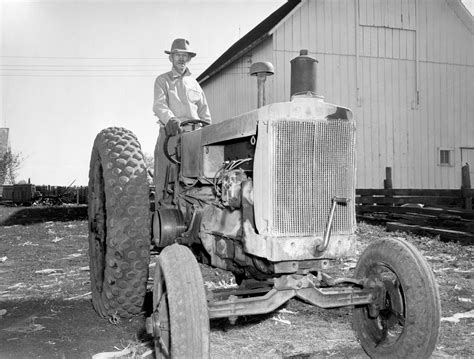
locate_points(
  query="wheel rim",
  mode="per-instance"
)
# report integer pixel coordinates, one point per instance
(97, 218)
(161, 319)
(387, 328)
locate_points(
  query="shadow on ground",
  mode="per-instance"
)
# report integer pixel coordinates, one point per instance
(62, 329)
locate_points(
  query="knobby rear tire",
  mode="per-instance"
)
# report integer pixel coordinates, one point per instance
(119, 224)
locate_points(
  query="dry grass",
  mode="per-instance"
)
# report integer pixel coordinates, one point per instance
(47, 259)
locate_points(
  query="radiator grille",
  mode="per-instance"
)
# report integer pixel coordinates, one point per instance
(312, 163)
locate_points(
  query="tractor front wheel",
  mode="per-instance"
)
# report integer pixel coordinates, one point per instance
(119, 224)
(407, 324)
(180, 319)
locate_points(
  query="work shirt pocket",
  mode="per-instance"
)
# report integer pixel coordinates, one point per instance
(193, 95)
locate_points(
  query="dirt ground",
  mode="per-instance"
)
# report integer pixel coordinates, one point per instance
(45, 308)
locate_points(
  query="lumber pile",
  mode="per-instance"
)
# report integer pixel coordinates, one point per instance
(449, 224)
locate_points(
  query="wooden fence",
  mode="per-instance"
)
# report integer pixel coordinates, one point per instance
(75, 194)
(454, 198)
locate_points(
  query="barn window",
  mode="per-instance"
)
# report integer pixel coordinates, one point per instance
(446, 157)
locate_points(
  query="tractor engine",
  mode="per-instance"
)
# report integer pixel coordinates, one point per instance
(254, 193)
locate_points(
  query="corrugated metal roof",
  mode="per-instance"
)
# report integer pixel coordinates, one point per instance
(249, 41)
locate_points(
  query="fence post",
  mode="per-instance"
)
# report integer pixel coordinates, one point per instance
(466, 186)
(387, 183)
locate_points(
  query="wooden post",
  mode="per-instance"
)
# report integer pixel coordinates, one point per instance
(466, 185)
(387, 182)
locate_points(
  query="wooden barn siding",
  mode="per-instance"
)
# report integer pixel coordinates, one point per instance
(392, 129)
(233, 91)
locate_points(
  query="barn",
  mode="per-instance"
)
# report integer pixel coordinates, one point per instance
(404, 67)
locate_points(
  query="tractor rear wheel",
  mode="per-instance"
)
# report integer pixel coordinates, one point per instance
(180, 319)
(407, 325)
(119, 224)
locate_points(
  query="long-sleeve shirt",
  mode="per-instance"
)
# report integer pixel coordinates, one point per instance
(179, 96)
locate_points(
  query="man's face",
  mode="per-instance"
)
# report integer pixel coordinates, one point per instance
(180, 61)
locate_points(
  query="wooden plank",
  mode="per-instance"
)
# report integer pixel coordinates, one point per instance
(433, 211)
(429, 201)
(449, 222)
(409, 192)
(444, 234)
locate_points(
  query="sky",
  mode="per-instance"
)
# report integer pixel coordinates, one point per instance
(70, 68)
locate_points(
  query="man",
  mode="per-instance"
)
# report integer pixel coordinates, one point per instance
(178, 97)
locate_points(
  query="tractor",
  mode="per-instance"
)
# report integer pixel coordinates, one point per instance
(268, 195)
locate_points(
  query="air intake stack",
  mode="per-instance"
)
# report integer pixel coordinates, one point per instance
(261, 70)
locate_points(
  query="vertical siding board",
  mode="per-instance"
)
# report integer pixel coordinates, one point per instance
(385, 105)
(324, 40)
(392, 129)
(319, 15)
(427, 33)
(278, 40)
(380, 117)
(362, 12)
(372, 38)
(288, 35)
(380, 42)
(365, 40)
(375, 13)
(420, 162)
(412, 13)
(405, 112)
(452, 122)
(428, 126)
(445, 30)
(351, 27)
(365, 122)
(339, 14)
(391, 13)
(402, 44)
(401, 122)
(388, 43)
(305, 25)
(396, 43)
(295, 30)
(332, 45)
(433, 111)
(440, 104)
(313, 25)
(433, 121)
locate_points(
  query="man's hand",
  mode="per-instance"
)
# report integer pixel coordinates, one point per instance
(173, 126)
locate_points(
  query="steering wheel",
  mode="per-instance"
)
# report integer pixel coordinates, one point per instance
(173, 157)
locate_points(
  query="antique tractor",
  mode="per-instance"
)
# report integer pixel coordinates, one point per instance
(268, 195)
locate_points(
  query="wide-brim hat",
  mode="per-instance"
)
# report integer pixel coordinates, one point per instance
(180, 45)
